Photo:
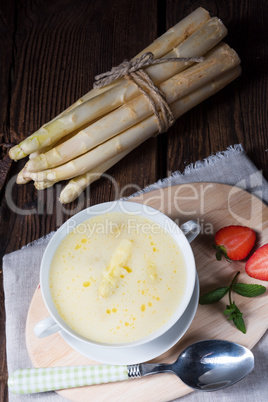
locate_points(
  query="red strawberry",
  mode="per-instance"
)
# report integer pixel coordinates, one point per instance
(257, 265)
(234, 242)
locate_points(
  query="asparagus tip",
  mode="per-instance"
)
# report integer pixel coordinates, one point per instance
(68, 195)
(16, 153)
(22, 180)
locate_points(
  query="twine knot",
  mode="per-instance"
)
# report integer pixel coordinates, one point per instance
(133, 70)
(123, 69)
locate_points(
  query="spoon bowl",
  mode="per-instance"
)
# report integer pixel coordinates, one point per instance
(211, 365)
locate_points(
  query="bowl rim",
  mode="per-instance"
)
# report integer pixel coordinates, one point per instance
(96, 210)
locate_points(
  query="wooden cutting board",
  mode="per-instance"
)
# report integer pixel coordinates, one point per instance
(214, 206)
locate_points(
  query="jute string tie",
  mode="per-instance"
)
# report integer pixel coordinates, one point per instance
(133, 70)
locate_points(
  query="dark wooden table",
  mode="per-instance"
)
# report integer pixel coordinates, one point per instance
(50, 53)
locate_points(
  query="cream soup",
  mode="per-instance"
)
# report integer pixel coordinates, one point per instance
(117, 278)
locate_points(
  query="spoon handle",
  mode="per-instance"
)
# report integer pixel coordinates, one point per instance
(29, 381)
(34, 380)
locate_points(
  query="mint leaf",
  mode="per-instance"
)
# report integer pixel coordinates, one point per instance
(214, 296)
(239, 323)
(248, 290)
(235, 315)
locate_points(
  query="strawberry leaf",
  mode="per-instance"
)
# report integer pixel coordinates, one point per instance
(248, 290)
(214, 296)
(221, 251)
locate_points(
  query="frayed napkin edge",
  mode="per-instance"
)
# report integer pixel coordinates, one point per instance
(210, 160)
(39, 241)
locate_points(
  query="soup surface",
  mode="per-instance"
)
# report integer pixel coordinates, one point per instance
(117, 278)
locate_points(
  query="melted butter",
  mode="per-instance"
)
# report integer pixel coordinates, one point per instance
(128, 269)
(152, 270)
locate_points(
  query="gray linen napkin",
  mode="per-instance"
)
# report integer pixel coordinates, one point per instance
(21, 276)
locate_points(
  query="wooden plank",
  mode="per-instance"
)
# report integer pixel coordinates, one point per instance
(5, 165)
(61, 47)
(238, 113)
(7, 13)
(6, 53)
(7, 20)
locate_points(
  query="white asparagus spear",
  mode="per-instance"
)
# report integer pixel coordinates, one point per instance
(198, 44)
(202, 40)
(78, 184)
(159, 47)
(134, 135)
(21, 178)
(42, 185)
(36, 153)
(216, 61)
(83, 181)
(117, 264)
(166, 42)
(44, 136)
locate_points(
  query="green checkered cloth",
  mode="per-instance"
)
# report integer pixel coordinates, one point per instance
(29, 381)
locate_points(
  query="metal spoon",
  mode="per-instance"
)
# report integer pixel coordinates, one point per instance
(207, 365)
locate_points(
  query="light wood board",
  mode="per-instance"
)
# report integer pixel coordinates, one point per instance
(214, 206)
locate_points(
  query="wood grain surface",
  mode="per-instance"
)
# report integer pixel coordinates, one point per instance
(50, 52)
(213, 206)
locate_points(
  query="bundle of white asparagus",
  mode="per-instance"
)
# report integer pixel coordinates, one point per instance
(106, 124)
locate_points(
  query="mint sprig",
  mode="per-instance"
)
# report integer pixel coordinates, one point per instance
(243, 289)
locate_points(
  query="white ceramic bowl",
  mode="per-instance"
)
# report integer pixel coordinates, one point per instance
(55, 323)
